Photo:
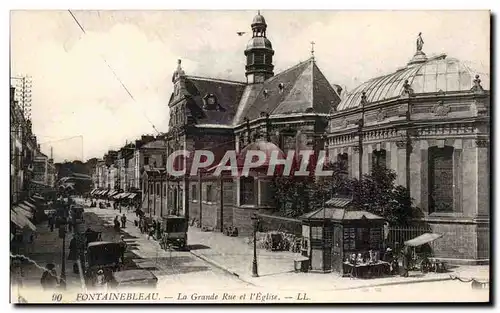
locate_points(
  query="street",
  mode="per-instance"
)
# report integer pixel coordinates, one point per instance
(185, 271)
(171, 267)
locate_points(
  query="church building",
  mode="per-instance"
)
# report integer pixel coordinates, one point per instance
(268, 111)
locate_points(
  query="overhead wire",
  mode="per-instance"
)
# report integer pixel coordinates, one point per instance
(114, 74)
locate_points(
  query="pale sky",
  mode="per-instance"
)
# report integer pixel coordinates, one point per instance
(75, 93)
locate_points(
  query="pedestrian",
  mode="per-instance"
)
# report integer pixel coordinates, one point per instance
(406, 256)
(117, 223)
(51, 222)
(49, 278)
(124, 220)
(151, 230)
(100, 279)
(72, 256)
(123, 246)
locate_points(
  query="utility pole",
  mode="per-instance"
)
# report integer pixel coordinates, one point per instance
(360, 135)
(23, 90)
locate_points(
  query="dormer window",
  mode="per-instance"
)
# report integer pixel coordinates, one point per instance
(266, 93)
(210, 103)
(281, 87)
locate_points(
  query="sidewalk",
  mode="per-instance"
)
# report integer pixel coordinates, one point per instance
(276, 269)
(46, 248)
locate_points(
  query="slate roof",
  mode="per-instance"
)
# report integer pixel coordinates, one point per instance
(338, 208)
(340, 214)
(156, 144)
(228, 94)
(305, 89)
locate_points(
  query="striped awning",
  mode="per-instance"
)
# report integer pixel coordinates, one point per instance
(38, 197)
(21, 221)
(132, 195)
(26, 208)
(28, 204)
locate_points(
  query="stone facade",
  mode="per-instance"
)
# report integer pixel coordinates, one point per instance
(435, 138)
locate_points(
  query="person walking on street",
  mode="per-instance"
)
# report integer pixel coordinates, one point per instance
(123, 246)
(151, 230)
(49, 277)
(117, 224)
(124, 220)
(406, 256)
(51, 222)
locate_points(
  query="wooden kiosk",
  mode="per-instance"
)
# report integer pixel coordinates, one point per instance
(335, 232)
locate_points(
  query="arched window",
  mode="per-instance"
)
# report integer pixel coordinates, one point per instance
(379, 158)
(247, 191)
(441, 179)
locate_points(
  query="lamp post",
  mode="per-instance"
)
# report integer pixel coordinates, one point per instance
(255, 223)
(62, 235)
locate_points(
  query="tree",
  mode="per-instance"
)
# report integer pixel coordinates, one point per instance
(376, 193)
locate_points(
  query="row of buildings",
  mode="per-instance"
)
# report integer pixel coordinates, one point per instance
(123, 170)
(428, 121)
(31, 171)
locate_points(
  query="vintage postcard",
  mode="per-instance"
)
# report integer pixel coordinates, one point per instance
(257, 156)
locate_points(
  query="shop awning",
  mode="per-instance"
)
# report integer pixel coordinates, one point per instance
(28, 204)
(132, 195)
(21, 221)
(38, 197)
(93, 190)
(423, 239)
(26, 208)
(118, 196)
(23, 210)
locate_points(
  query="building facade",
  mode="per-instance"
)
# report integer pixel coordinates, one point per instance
(429, 122)
(270, 112)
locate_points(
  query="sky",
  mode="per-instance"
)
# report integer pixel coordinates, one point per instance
(78, 102)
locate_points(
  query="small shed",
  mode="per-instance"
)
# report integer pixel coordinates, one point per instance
(337, 230)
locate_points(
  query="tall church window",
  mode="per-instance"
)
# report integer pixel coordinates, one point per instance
(441, 179)
(247, 191)
(379, 158)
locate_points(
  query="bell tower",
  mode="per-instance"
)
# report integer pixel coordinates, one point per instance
(259, 53)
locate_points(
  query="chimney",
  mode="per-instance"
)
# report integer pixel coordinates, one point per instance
(51, 152)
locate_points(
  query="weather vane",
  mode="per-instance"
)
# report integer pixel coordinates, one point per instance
(312, 49)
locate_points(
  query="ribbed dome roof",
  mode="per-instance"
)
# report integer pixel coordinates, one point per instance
(258, 19)
(259, 43)
(434, 75)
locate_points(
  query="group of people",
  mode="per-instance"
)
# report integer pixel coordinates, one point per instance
(117, 220)
(393, 259)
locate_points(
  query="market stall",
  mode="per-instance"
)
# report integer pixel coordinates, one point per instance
(334, 234)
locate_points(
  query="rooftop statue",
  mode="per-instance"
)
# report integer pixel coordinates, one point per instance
(420, 42)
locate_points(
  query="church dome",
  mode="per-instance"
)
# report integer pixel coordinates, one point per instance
(259, 43)
(260, 145)
(258, 20)
(434, 75)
